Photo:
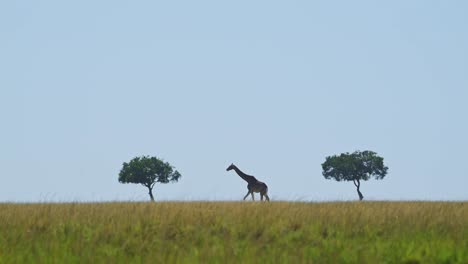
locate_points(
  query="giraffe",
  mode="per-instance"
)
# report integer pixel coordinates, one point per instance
(253, 185)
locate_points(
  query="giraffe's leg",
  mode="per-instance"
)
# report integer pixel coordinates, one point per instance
(261, 196)
(267, 198)
(253, 198)
(246, 195)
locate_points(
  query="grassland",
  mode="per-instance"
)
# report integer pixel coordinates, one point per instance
(235, 232)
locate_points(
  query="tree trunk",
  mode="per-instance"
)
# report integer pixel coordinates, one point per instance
(360, 194)
(151, 193)
(358, 184)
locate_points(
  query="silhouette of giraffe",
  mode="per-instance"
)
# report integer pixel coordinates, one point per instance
(253, 185)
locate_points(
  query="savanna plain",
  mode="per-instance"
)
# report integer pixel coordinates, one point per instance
(234, 232)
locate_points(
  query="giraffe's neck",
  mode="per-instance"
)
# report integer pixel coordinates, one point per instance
(244, 176)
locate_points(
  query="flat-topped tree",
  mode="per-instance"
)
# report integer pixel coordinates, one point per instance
(147, 171)
(354, 167)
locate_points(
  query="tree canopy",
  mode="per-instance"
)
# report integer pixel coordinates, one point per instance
(354, 167)
(148, 171)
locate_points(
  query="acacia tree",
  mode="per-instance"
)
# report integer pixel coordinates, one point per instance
(147, 171)
(354, 167)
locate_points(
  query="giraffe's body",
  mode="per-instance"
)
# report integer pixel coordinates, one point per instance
(253, 185)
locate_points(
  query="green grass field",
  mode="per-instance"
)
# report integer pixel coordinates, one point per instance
(235, 232)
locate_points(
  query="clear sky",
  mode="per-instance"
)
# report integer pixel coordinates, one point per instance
(272, 86)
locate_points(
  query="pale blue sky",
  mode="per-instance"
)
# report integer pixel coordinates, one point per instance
(273, 86)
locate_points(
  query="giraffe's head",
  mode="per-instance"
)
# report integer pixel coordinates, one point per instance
(231, 167)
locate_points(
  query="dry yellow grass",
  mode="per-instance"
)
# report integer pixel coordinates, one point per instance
(235, 232)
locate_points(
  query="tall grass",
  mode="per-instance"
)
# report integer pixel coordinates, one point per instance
(235, 232)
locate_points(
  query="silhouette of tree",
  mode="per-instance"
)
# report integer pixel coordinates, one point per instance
(354, 167)
(147, 171)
